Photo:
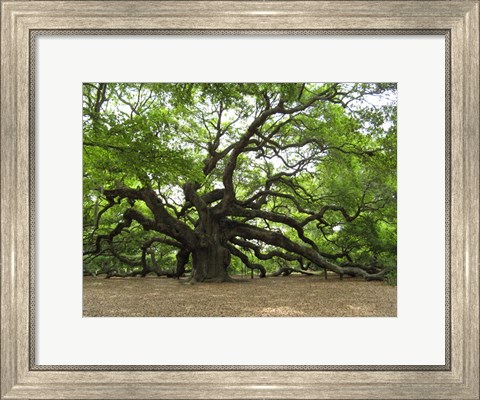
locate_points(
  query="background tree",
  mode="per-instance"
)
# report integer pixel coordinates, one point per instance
(217, 175)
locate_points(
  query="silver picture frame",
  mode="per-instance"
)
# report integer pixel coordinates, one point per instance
(24, 21)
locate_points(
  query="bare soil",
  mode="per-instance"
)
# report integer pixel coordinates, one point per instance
(291, 296)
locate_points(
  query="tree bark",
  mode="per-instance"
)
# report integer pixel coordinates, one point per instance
(236, 252)
(210, 263)
(285, 271)
(182, 259)
(210, 257)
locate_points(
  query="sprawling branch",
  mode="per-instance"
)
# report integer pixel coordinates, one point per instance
(164, 222)
(236, 252)
(274, 217)
(277, 239)
(207, 198)
(279, 254)
(253, 129)
(265, 256)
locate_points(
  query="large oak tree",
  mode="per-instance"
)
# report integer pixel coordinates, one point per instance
(303, 173)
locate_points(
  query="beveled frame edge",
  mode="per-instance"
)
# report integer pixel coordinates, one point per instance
(19, 381)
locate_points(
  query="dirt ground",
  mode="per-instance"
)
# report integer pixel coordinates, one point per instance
(292, 296)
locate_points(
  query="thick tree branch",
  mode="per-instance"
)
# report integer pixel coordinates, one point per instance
(253, 129)
(164, 222)
(237, 253)
(274, 217)
(279, 240)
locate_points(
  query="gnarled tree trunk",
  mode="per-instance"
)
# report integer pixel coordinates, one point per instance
(210, 257)
(210, 263)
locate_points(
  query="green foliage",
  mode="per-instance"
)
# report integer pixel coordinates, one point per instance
(391, 277)
(339, 154)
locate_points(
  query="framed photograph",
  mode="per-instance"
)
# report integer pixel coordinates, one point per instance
(160, 159)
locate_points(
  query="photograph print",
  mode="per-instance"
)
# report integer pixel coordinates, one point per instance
(239, 199)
